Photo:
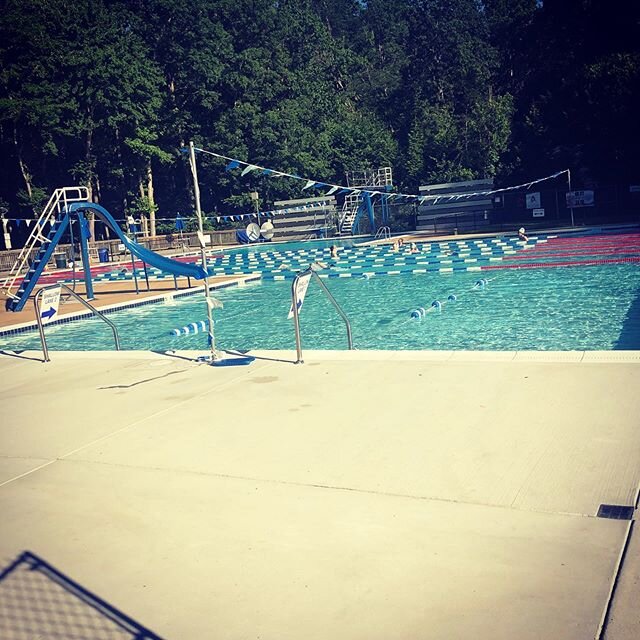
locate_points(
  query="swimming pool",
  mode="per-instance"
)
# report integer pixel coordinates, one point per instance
(593, 307)
(297, 245)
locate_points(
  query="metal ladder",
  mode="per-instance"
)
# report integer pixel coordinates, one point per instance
(296, 302)
(37, 240)
(383, 232)
(349, 212)
(88, 305)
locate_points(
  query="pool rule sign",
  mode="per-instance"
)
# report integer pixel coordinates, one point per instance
(49, 304)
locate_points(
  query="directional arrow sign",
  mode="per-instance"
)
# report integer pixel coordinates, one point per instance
(50, 301)
(48, 314)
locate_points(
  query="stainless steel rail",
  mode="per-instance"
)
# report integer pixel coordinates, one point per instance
(296, 317)
(36, 304)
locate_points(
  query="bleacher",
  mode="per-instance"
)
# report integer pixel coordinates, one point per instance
(451, 215)
(305, 218)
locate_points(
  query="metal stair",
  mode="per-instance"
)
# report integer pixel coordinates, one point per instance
(349, 212)
(376, 179)
(39, 248)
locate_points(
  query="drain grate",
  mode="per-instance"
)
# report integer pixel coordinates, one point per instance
(615, 512)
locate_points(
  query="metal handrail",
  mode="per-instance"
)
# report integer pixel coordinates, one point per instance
(296, 317)
(383, 232)
(349, 209)
(36, 304)
(52, 208)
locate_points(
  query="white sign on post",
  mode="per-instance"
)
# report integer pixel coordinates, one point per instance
(301, 292)
(538, 213)
(49, 305)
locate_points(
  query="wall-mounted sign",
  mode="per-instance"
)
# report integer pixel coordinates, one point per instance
(580, 199)
(538, 213)
(533, 200)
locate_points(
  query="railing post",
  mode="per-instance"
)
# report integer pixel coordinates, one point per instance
(43, 340)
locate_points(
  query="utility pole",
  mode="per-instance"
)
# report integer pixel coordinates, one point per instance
(203, 253)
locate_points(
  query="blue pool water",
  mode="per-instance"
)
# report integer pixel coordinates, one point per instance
(577, 308)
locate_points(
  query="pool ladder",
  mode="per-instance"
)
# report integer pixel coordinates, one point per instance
(311, 273)
(88, 305)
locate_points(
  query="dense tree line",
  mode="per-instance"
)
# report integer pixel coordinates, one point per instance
(104, 93)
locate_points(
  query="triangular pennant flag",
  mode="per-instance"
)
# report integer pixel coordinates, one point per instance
(234, 164)
(218, 218)
(248, 168)
(267, 172)
(310, 183)
(332, 190)
(19, 222)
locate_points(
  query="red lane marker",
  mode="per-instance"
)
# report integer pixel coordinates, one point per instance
(529, 255)
(544, 265)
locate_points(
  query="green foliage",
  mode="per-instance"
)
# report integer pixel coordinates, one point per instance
(138, 206)
(105, 92)
(35, 202)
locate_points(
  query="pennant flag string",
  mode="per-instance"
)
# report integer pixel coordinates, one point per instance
(333, 188)
(234, 164)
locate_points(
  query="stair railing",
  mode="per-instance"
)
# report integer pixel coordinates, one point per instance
(311, 273)
(57, 203)
(349, 212)
(88, 305)
(383, 232)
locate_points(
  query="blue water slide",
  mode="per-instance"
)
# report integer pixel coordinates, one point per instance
(186, 269)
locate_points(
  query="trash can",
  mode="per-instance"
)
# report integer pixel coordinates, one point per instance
(103, 254)
(60, 260)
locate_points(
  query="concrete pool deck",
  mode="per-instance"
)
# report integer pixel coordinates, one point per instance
(361, 495)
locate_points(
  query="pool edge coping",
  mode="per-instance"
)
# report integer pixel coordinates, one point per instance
(23, 327)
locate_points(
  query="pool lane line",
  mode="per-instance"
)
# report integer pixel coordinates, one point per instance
(544, 265)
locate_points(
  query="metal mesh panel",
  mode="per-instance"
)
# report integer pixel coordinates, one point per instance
(37, 601)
